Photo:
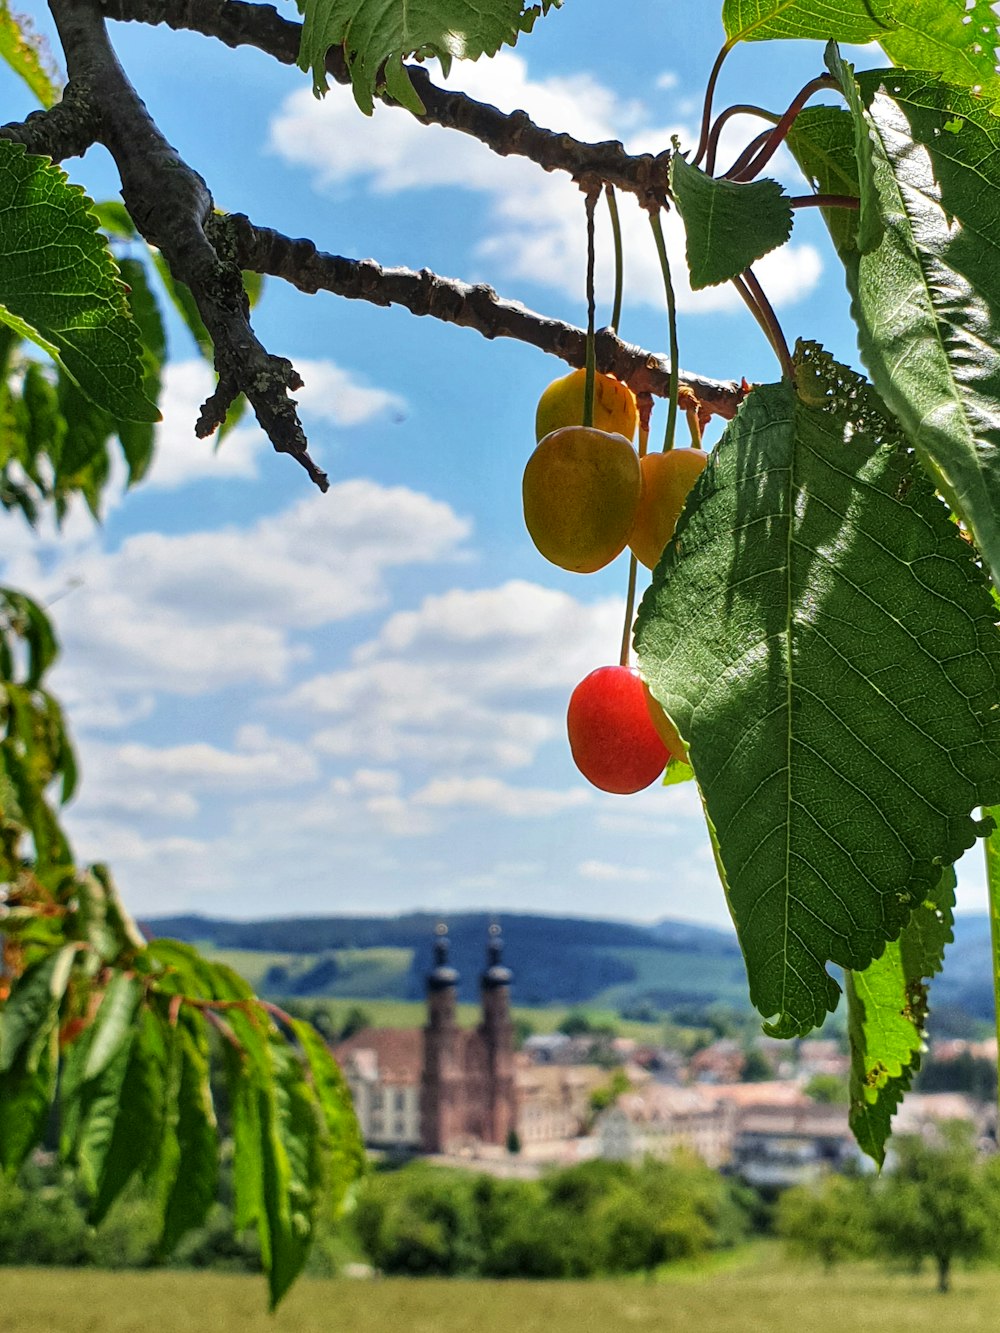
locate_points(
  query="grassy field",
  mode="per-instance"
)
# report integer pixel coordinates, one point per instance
(745, 1297)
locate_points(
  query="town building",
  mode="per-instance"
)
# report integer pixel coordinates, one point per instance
(442, 1089)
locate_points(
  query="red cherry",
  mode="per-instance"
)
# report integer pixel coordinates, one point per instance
(614, 743)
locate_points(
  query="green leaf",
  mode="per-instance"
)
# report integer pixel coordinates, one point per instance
(887, 1015)
(869, 228)
(138, 437)
(853, 21)
(677, 771)
(134, 1120)
(26, 1093)
(59, 285)
(927, 299)
(113, 1022)
(32, 1007)
(824, 144)
(292, 1170)
(992, 849)
(28, 57)
(191, 1149)
(377, 38)
(345, 1147)
(728, 226)
(824, 641)
(186, 307)
(955, 39)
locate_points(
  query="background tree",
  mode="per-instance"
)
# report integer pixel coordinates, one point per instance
(936, 1202)
(830, 1219)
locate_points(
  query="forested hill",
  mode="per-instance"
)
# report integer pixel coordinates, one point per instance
(555, 960)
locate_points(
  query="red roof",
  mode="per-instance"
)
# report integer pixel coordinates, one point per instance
(399, 1052)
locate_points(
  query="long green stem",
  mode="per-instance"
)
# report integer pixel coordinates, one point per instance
(992, 849)
(668, 286)
(591, 362)
(616, 232)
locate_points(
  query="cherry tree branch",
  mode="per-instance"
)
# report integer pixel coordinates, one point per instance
(237, 23)
(261, 250)
(172, 207)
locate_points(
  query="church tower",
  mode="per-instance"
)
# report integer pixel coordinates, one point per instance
(497, 1034)
(441, 1078)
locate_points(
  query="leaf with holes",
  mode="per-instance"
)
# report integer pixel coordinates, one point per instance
(824, 641)
(887, 1014)
(956, 39)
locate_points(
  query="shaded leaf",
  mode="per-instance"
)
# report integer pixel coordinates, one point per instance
(823, 639)
(728, 226)
(887, 1014)
(59, 285)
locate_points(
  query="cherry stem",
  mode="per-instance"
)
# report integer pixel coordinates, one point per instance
(645, 404)
(616, 232)
(761, 309)
(825, 201)
(741, 109)
(591, 362)
(706, 115)
(694, 426)
(633, 566)
(745, 172)
(661, 250)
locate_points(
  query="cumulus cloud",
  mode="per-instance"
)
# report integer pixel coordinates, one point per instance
(535, 231)
(193, 613)
(470, 678)
(613, 874)
(329, 394)
(497, 797)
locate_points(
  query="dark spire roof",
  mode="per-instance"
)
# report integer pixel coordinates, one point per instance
(441, 974)
(496, 974)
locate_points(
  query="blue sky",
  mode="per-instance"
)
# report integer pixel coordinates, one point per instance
(293, 703)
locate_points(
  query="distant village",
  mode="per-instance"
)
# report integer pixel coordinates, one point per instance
(468, 1096)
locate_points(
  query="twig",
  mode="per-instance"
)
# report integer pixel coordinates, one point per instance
(172, 208)
(261, 250)
(509, 134)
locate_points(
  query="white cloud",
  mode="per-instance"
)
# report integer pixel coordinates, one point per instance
(329, 394)
(612, 874)
(193, 612)
(471, 678)
(536, 218)
(497, 797)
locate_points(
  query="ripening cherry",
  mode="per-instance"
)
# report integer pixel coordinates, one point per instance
(561, 404)
(614, 743)
(667, 480)
(580, 491)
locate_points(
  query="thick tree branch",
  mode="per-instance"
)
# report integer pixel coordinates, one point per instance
(172, 208)
(239, 24)
(473, 307)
